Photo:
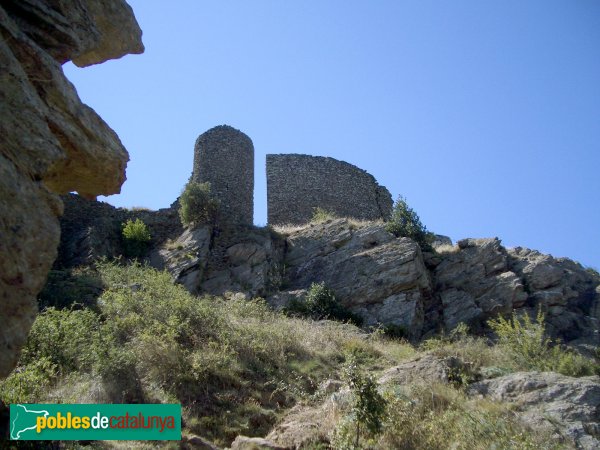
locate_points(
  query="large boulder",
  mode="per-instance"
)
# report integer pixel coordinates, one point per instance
(374, 274)
(244, 259)
(475, 283)
(551, 402)
(427, 368)
(50, 142)
(564, 290)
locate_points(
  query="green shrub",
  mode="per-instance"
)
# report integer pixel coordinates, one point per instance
(69, 339)
(438, 417)
(321, 215)
(69, 288)
(197, 205)
(368, 408)
(530, 349)
(320, 303)
(28, 383)
(136, 238)
(404, 222)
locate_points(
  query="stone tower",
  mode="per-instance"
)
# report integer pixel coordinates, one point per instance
(224, 157)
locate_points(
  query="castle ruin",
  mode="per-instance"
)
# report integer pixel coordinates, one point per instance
(297, 184)
(224, 157)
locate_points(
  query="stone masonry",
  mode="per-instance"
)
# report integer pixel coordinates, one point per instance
(297, 184)
(224, 157)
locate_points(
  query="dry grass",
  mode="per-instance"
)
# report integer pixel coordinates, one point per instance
(287, 229)
(447, 248)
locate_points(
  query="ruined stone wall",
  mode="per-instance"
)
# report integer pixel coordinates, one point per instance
(296, 184)
(224, 157)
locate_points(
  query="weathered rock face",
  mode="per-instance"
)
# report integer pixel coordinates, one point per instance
(564, 290)
(85, 32)
(49, 141)
(246, 259)
(475, 283)
(423, 369)
(186, 258)
(555, 403)
(374, 274)
(480, 279)
(385, 280)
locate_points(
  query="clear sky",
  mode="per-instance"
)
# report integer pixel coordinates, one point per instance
(485, 115)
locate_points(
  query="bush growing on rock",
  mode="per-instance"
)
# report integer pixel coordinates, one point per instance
(320, 303)
(321, 215)
(197, 205)
(405, 222)
(526, 341)
(136, 238)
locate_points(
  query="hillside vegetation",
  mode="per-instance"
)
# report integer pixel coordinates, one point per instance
(237, 367)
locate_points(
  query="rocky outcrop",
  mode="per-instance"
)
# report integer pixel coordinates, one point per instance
(384, 279)
(425, 369)
(480, 279)
(50, 142)
(374, 274)
(555, 403)
(475, 283)
(564, 290)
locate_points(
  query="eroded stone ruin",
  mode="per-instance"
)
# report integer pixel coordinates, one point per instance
(298, 184)
(224, 157)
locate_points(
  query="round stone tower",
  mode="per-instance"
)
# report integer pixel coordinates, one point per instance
(224, 157)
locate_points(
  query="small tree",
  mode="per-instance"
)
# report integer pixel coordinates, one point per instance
(136, 238)
(405, 222)
(197, 205)
(368, 406)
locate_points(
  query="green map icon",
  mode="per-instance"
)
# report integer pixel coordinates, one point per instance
(24, 421)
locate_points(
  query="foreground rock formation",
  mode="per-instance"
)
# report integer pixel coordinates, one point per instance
(564, 406)
(50, 142)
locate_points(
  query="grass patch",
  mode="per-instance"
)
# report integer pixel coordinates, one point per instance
(525, 340)
(321, 215)
(235, 365)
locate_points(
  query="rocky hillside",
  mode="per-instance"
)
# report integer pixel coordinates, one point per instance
(445, 366)
(249, 377)
(385, 280)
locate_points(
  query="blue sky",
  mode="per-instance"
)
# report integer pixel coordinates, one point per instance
(484, 115)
